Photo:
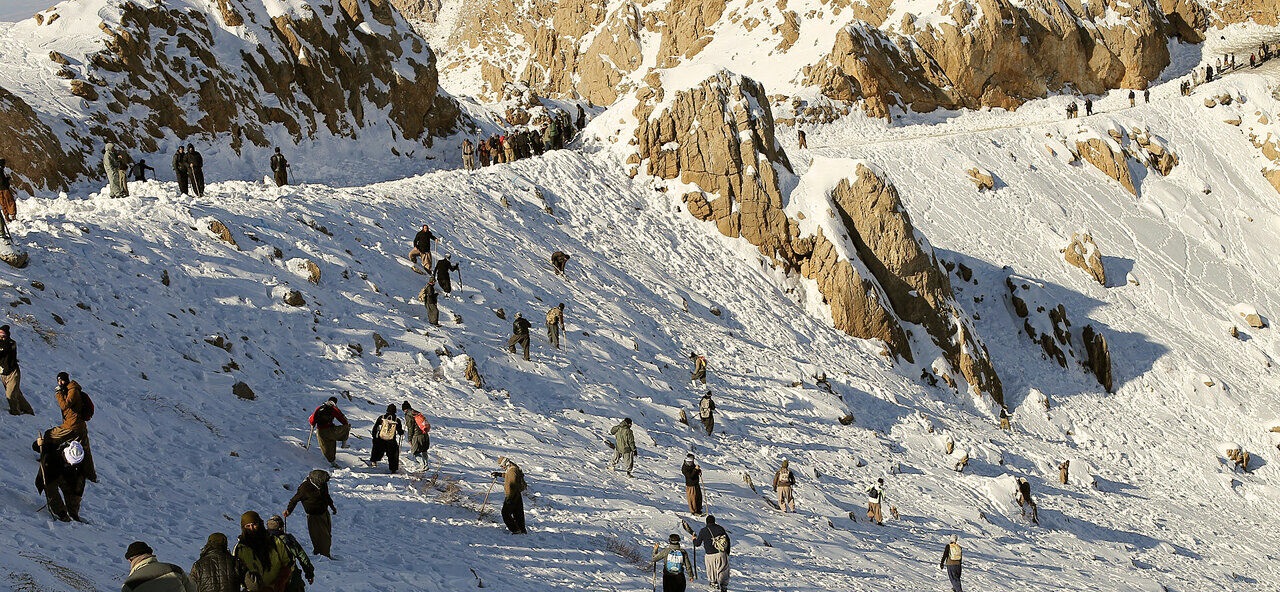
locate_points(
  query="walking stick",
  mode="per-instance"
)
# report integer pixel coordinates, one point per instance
(309, 434)
(655, 568)
(486, 497)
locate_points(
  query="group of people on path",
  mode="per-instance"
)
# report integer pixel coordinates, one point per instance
(1073, 108)
(520, 143)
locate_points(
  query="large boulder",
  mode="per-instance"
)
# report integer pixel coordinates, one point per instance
(1106, 155)
(1083, 253)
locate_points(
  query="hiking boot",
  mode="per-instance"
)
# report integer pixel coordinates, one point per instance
(63, 517)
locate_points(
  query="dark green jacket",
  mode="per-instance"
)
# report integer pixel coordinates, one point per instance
(626, 440)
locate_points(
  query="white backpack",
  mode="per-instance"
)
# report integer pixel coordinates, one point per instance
(388, 429)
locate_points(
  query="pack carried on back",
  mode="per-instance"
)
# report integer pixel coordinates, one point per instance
(705, 408)
(324, 415)
(721, 543)
(675, 562)
(86, 406)
(423, 425)
(388, 429)
(953, 552)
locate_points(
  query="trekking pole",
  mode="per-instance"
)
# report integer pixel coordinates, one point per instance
(486, 497)
(309, 434)
(654, 567)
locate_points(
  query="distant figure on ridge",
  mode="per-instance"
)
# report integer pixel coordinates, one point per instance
(279, 168)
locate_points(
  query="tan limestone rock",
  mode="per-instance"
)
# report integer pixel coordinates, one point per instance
(1083, 253)
(1113, 163)
(983, 179)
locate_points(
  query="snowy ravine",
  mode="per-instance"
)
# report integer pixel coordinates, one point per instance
(1151, 504)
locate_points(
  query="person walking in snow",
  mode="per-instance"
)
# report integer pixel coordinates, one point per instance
(430, 297)
(1146, 95)
(1131, 98)
(114, 163)
(509, 148)
(1088, 105)
(555, 324)
(677, 570)
(558, 260)
(195, 164)
(8, 205)
(1064, 471)
(279, 168)
(1005, 419)
(138, 172)
(551, 136)
(298, 557)
(875, 501)
(783, 479)
(422, 250)
(519, 335)
(1029, 509)
(180, 170)
(146, 574)
(692, 484)
(11, 375)
(331, 427)
(443, 267)
(699, 368)
(513, 487)
(804, 141)
(313, 492)
(266, 560)
(76, 410)
(61, 476)
(715, 545)
(951, 558)
(217, 570)
(468, 155)
(582, 117)
(483, 149)
(419, 431)
(707, 412)
(624, 447)
(386, 439)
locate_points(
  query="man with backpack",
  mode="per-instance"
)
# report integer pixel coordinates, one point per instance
(715, 543)
(783, 479)
(624, 448)
(422, 250)
(430, 297)
(707, 412)
(875, 497)
(217, 570)
(443, 279)
(699, 368)
(275, 527)
(331, 426)
(61, 476)
(11, 375)
(313, 492)
(558, 260)
(692, 484)
(386, 439)
(146, 574)
(951, 558)
(267, 564)
(555, 324)
(77, 410)
(513, 486)
(419, 434)
(519, 335)
(677, 570)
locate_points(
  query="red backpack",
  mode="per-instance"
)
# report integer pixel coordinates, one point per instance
(422, 422)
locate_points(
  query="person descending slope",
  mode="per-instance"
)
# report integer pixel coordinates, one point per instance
(77, 410)
(558, 260)
(267, 564)
(443, 267)
(431, 299)
(715, 543)
(313, 492)
(217, 570)
(419, 434)
(468, 155)
(513, 486)
(783, 479)
(146, 574)
(195, 164)
(275, 527)
(677, 570)
(707, 412)
(519, 335)
(692, 484)
(699, 368)
(951, 558)
(331, 426)
(8, 205)
(11, 375)
(1029, 509)
(386, 439)
(875, 499)
(61, 476)
(625, 447)
(422, 250)
(555, 324)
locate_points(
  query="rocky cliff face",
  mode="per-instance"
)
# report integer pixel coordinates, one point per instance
(23, 133)
(245, 72)
(1048, 325)
(853, 237)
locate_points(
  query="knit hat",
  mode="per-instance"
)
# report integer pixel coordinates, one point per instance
(275, 522)
(391, 409)
(689, 456)
(4, 328)
(502, 461)
(64, 376)
(73, 453)
(217, 539)
(333, 400)
(675, 538)
(137, 548)
(405, 405)
(250, 517)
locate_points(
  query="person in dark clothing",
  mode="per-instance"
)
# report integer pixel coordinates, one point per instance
(386, 439)
(422, 250)
(1131, 97)
(519, 335)
(195, 163)
(804, 141)
(692, 484)
(217, 570)
(1029, 508)
(275, 528)
(715, 543)
(951, 557)
(138, 172)
(331, 426)
(146, 574)
(11, 375)
(558, 261)
(314, 495)
(419, 434)
(483, 148)
(61, 477)
(180, 170)
(430, 297)
(677, 570)
(279, 168)
(1146, 95)
(582, 117)
(8, 205)
(707, 412)
(513, 487)
(443, 279)
(1088, 105)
